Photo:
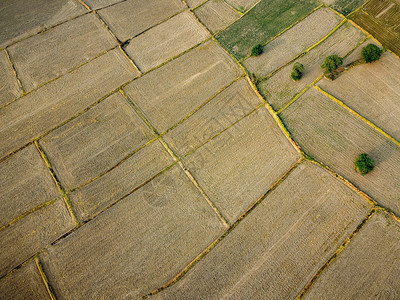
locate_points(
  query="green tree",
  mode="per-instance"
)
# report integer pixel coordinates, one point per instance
(257, 50)
(371, 53)
(331, 63)
(364, 164)
(297, 71)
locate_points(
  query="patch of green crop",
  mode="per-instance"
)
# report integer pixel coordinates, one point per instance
(264, 21)
(347, 6)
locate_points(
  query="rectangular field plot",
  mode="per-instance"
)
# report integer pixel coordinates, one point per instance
(226, 108)
(293, 42)
(54, 52)
(344, 6)
(136, 170)
(381, 18)
(242, 5)
(280, 88)
(334, 136)
(373, 91)
(137, 245)
(20, 18)
(24, 283)
(96, 4)
(263, 22)
(166, 40)
(9, 88)
(194, 3)
(216, 15)
(367, 268)
(42, 110)
(292, 234)
(170, 93)
(238, 166)
(129, 18)
(25, 183)
(31, 234)
(95, 141)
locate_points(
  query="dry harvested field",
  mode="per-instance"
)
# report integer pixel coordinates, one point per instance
(165, 41)
(145, 154)
(242, 5)
(216, 15)
(239, 165)
(333, 135)
(168, 94)
(288, 243)
(43, 57)
(9, 87)
(381, 18)
(229, 106)
(373, 91)
(280, 89)
(194, 3)
(368, 268)
(146, 15)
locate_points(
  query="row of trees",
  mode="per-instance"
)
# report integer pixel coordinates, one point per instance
(370, 53)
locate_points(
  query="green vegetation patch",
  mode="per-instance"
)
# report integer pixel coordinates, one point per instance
(371, 53)
(364, 164)
(331, 63)
(297, 71)
(257, 50)
(263, 22)
(347, 6)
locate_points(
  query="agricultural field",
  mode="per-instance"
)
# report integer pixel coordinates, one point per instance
(165, 41)
(280, 89)
(167, 95)
(32, 20)
(43, 57)
(104, 145)
(9, 87)
(225, 109)
(37, 113)
(281, 266)
(333, 135)
(357, 89)
(264, 21)
(194, 3)
(344, 7)
(381, 18)
(131, 173)
(228, 160)
(242, 5)
(293, 42)
(148, 14)
(377, 248)
(147, 152)
(216, 15)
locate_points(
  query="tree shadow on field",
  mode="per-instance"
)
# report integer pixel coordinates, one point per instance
(383, 151)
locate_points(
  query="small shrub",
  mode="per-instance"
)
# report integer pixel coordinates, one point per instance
(254, 78)
(257, 50)
(364, 164)
(331, 63)
(297, 71)
(371, 53)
